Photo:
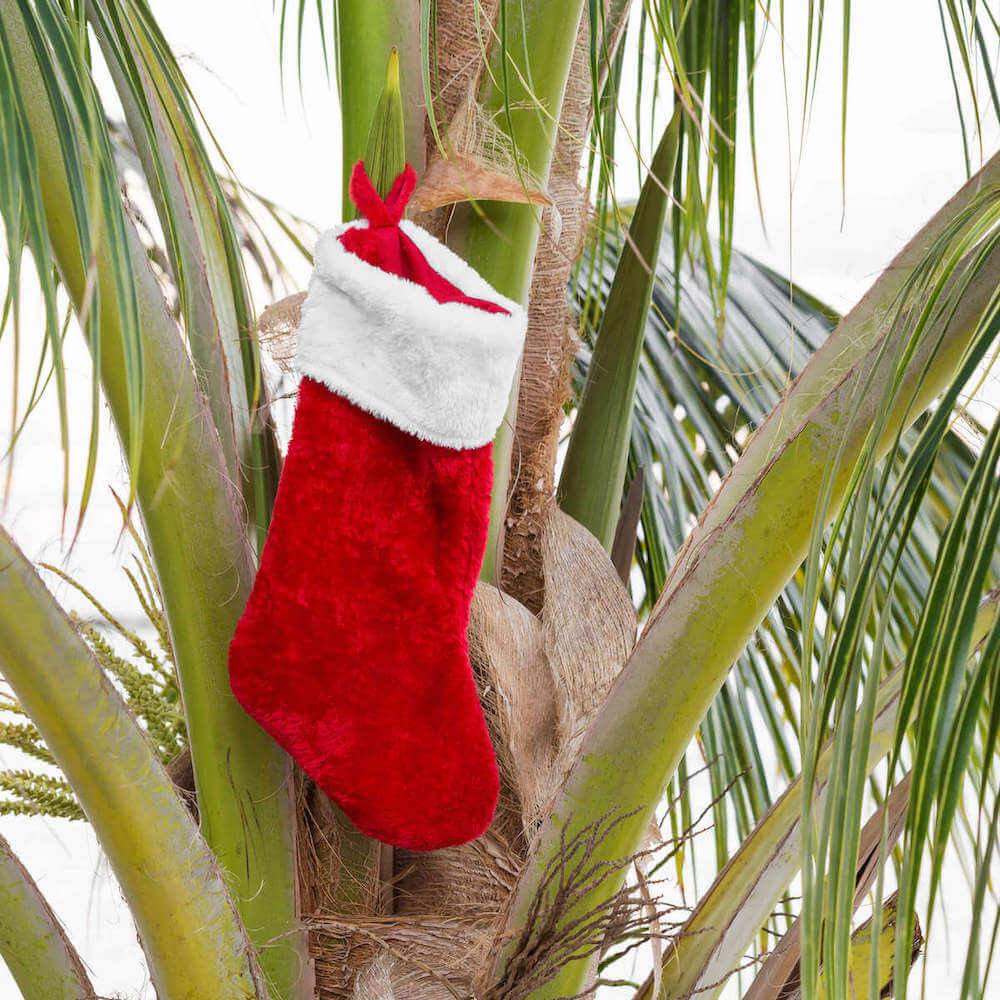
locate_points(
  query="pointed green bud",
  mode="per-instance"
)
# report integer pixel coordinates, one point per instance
(385, 150)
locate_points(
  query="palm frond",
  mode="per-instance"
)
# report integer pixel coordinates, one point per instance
(699, 397)
(201, 241)
(967, 29)
(590, 486)
(296, 18)
(57, 40)
(705, 55)
(871, 380)
(943, 701)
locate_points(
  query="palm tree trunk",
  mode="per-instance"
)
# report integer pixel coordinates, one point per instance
(552, 340)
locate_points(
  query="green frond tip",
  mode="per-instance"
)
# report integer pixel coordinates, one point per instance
(385, 150)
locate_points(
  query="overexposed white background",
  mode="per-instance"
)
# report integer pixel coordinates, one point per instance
(903, 159)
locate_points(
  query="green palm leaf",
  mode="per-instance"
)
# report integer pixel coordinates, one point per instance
(699, 397)
(54, 36)
(942, 702)
(201, 241)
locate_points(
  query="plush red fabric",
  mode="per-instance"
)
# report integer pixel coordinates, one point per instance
(353, 651)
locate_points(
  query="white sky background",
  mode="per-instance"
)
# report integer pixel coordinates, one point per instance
(903, 160)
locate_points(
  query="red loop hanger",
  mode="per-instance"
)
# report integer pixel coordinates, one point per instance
(371, 206)
(385, 246)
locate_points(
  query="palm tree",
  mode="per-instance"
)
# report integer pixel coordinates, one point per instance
(811, 563)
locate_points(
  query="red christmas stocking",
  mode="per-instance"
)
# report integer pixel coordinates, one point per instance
(352, 652)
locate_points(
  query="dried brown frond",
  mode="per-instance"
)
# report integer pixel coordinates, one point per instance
(277, 328)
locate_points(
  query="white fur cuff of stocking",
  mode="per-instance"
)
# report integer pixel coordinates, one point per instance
(440, 371)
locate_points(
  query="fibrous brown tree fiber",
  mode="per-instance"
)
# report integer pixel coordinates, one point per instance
(459, 46)
(277, 327)
(552, 339)
(457, 60)
(551, 342)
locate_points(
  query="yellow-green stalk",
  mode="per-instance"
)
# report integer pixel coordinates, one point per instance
(33, 944)
(177, 895)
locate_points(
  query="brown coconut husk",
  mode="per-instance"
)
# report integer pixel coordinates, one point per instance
(465, 175)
